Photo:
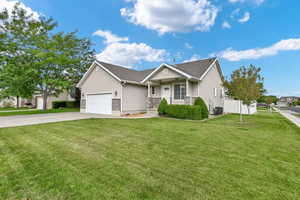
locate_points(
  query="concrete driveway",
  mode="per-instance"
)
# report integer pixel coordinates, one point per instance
(21, 120)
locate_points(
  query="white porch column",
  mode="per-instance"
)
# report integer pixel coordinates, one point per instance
(198, 88)
(149, 89)
(187, 88)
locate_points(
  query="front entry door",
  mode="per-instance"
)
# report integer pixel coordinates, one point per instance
(166, 92)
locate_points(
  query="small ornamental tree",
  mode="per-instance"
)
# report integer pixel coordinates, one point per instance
(269, 101)
(245, 84)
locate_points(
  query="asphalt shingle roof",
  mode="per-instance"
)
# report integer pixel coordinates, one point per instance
(195, 68)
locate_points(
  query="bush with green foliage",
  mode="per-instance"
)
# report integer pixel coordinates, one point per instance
(65, 104)
(162, 107)
(184, 112)
(199, 102)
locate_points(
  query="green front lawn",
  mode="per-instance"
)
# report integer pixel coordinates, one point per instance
(151, 159)
(31, 112)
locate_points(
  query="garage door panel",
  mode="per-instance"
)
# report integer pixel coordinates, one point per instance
(99, 103)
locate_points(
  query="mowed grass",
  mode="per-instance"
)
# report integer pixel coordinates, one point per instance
(32, 112)
(156, 158)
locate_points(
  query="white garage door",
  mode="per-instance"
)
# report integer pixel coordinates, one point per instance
(99, 104)
(40, 103)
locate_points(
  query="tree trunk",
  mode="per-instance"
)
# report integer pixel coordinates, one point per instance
(241, 115)
(18, 102)
(248, 106)
(45, 97)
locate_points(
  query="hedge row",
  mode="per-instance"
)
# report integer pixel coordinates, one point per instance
(197, 112)
(65, 104)
(184, 112)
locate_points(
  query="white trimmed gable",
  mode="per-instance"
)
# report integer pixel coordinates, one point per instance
(165, 73)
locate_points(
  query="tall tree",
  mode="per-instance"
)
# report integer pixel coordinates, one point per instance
(55, 61)
(60, 60)
(16, 79)
(245, 84)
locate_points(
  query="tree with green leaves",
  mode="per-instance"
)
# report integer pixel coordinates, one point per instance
(56, 61)
(16, 79)
(246, 85)
(269, 100)
(263, 98)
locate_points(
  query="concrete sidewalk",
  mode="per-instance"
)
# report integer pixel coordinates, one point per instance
(289, 115)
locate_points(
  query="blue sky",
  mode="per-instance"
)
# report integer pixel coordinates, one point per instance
(143, 33)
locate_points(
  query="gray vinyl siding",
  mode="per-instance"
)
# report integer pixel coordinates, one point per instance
(134, 98)
(100, 81)
(206, 88)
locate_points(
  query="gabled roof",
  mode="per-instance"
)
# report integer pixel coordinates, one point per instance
(192, 70)
(126, 74)
(196, 68)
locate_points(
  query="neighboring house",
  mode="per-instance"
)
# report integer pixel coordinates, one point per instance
(38, 99)
(111, 89)
(12, 102)
(285, 101)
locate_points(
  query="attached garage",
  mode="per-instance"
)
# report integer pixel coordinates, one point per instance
(99, 103)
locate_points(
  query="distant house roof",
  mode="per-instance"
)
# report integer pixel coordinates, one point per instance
(196, 69)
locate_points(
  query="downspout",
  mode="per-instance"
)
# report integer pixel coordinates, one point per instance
(121, 102)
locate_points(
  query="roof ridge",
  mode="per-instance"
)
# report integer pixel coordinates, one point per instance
(117, 66)
(188, 62)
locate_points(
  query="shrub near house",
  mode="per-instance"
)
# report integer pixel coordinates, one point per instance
(196, 112)
(65, 104)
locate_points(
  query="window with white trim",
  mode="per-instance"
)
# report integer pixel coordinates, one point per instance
(179, 91)
(215, 92)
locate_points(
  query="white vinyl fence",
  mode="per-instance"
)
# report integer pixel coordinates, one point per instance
(234, 106)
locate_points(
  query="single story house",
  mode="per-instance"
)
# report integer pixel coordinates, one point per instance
(39, 100)
(12, 102)
(111, 89)
(36, 101)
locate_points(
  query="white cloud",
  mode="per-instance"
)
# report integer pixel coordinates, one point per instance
(109, 37)
(245, 18)
(129, 54)
(283, 45)
(188, 45)
(193, 58)
(258, 2)
(226, 25)
(9, 5)
(166, 16)
(235, 13)
(119, 51)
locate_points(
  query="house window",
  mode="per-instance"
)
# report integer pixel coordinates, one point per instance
(153, 90)
(215, 92)
(179, 91)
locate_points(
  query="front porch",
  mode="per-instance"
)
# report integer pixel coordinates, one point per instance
(175, 91)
